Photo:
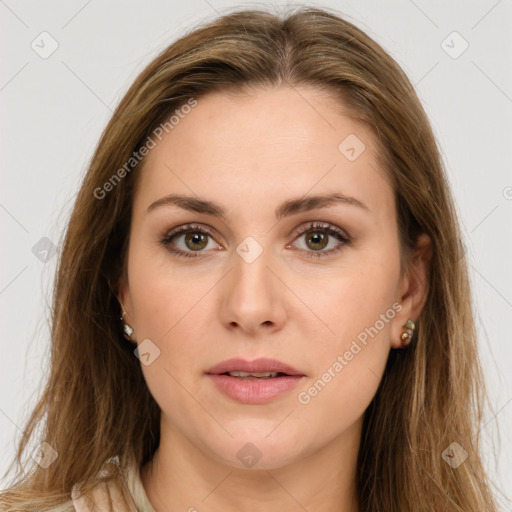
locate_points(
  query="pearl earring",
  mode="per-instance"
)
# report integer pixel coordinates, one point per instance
(127, 329)
(407, 334)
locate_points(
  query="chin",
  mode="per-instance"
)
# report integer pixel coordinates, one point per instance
(259, 450)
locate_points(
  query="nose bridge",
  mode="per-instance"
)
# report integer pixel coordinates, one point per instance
(253, 296)
(251, 274)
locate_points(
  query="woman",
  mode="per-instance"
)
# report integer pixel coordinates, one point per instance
(262, 299)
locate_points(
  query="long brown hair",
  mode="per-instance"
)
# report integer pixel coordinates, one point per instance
(96, 405)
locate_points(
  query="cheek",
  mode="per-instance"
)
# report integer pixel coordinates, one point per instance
(355, 299)
(358, 307)
(169, 311)
(165, 295)
(341, 392)
(350, 361)
(168, 305)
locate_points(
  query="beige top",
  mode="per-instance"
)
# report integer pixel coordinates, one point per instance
(119, 495)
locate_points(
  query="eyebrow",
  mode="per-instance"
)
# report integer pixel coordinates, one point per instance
(289, 207)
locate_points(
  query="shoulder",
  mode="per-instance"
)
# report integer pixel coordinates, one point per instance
(112, 490)
(111, 495)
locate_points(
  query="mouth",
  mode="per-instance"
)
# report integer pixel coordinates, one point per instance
(254, 382)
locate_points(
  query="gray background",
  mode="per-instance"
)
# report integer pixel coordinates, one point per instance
(54, 109)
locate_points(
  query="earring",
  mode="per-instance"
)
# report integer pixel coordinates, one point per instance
(127, 329)
(407, 334)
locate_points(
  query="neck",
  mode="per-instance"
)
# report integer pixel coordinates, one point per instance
(188, 478)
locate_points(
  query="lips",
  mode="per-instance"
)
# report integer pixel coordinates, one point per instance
(260, 365)
(273, 379)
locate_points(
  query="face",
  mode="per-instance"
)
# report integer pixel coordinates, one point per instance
(316, 287)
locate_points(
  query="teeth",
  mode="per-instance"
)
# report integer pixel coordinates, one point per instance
(255, 374)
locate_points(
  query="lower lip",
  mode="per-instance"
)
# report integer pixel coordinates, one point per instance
(256, 391)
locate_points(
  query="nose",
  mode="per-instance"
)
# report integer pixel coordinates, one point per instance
(253, 296)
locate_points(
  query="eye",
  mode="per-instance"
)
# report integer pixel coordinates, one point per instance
(194, 239)
(318, 236)
(189, 240)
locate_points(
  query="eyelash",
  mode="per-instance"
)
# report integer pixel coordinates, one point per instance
(322, 227)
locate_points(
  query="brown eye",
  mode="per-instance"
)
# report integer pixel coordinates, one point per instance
(319, 235)
(196, 241)
(188, 241)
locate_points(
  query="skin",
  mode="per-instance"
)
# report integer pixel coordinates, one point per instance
(250, 153)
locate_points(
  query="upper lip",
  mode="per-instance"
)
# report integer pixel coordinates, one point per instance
(263, 364)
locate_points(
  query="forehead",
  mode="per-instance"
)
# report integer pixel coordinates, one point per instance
(266, 146)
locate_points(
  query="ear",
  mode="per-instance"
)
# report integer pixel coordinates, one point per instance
(123, 294)
(413, 289)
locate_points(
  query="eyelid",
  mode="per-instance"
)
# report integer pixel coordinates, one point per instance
(188, 227)
(327, 226)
